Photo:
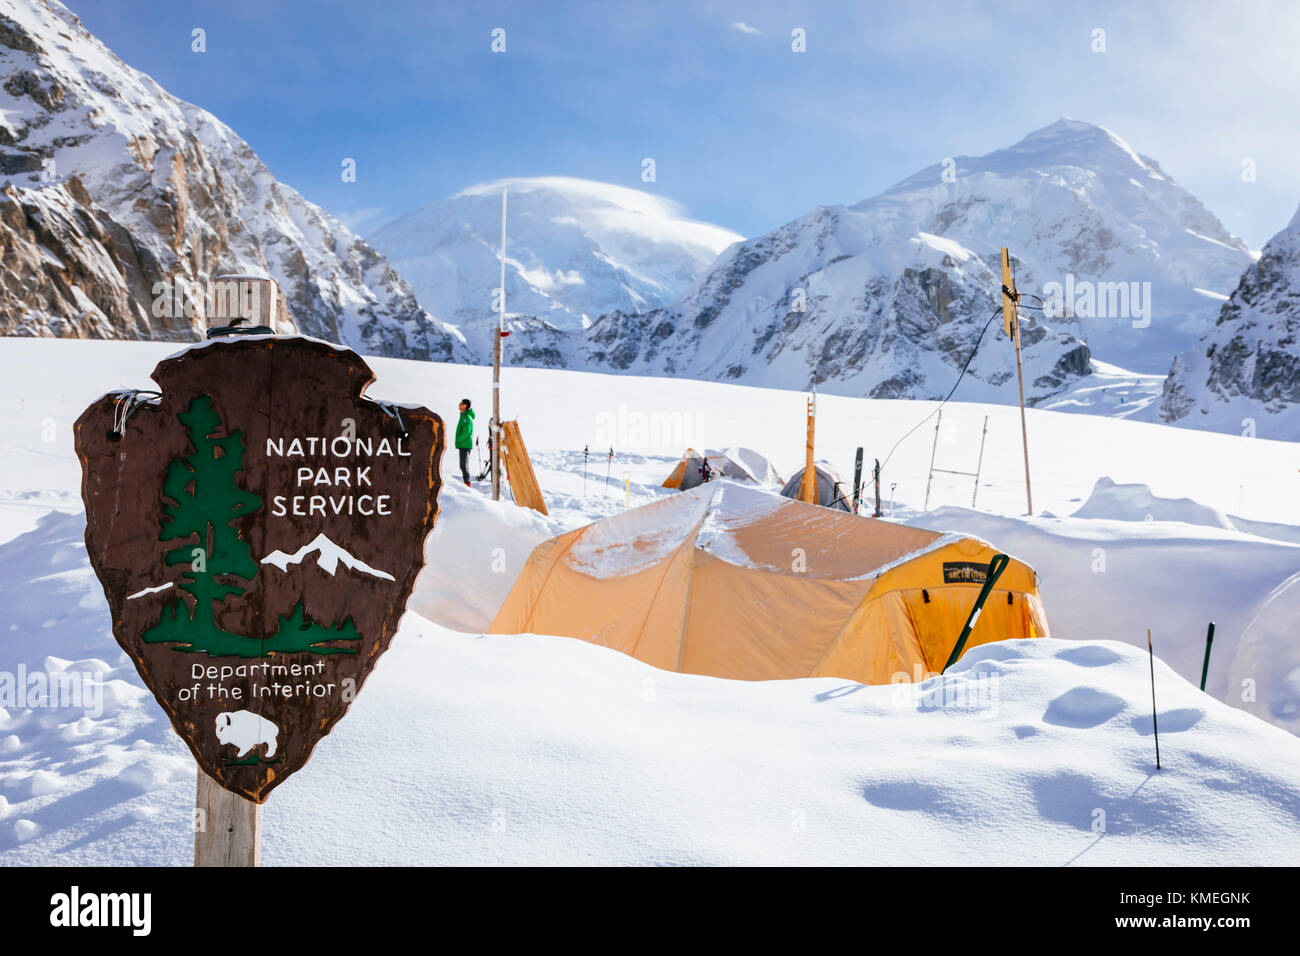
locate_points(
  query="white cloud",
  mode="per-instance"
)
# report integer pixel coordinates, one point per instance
(357, 219)
(744, 27)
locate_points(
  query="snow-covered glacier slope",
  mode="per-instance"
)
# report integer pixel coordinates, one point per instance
(167, 193)
(576, 249)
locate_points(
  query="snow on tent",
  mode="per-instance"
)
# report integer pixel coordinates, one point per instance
(831, 492)
(731, 581)
(739, 464)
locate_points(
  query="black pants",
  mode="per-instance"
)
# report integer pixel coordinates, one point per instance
(464, 463)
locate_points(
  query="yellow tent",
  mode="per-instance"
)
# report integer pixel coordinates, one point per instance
(732, 581)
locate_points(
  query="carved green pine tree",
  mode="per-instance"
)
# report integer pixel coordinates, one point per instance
(202, 502)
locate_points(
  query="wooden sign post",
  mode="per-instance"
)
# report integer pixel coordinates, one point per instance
(257, 525)
(227, 828)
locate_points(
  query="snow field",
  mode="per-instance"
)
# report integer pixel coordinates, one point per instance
(519, 749)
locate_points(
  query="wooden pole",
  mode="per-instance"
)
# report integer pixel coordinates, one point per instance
(497, 343)
(1011, 325)
(227, 828)
(808, 489)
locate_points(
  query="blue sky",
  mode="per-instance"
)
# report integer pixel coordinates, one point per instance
(744, 132)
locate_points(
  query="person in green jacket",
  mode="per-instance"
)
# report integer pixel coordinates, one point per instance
(465, 437)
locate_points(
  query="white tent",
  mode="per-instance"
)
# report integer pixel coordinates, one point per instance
(738, 464)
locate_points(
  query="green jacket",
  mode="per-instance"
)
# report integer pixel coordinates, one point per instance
(465, 429)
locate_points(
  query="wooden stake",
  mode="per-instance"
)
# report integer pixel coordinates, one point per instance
(1155, 727)
(497, 345)
(1011, 324)
(227, 828)
(808, 489)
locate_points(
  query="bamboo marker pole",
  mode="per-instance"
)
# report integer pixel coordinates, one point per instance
(808, 488)
(1205, 667)
(979, 462)
(227, 828)
(1011, 325)
(934, 450)
(497, 344)
(1155, 727)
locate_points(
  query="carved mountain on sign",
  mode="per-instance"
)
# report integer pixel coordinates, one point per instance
(328, 556)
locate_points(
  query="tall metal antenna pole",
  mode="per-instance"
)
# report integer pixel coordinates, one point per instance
(498, 339)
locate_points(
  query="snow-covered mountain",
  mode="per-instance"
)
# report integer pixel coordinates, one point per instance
(576, 249)
(887, 297)
(1244, 375)
(116, 186)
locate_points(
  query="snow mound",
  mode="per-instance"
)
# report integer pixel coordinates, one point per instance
(472, 557)
(1135, 502)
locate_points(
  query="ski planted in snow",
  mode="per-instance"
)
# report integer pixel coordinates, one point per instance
(857, 481)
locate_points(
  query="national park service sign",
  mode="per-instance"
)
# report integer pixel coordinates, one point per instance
(258, 525)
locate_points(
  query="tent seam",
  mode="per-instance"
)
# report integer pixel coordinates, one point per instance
(668, 565)
(532, 605)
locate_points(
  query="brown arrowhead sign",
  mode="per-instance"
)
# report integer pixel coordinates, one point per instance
(258, 528)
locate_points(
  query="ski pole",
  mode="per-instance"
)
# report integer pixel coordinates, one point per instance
(876, 481)
(627, 487)
(585, 452)
(1205, 668)
(1155, 727)
(997, 564)
(608, 465)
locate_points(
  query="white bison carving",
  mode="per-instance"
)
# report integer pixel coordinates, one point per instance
(244, 730)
